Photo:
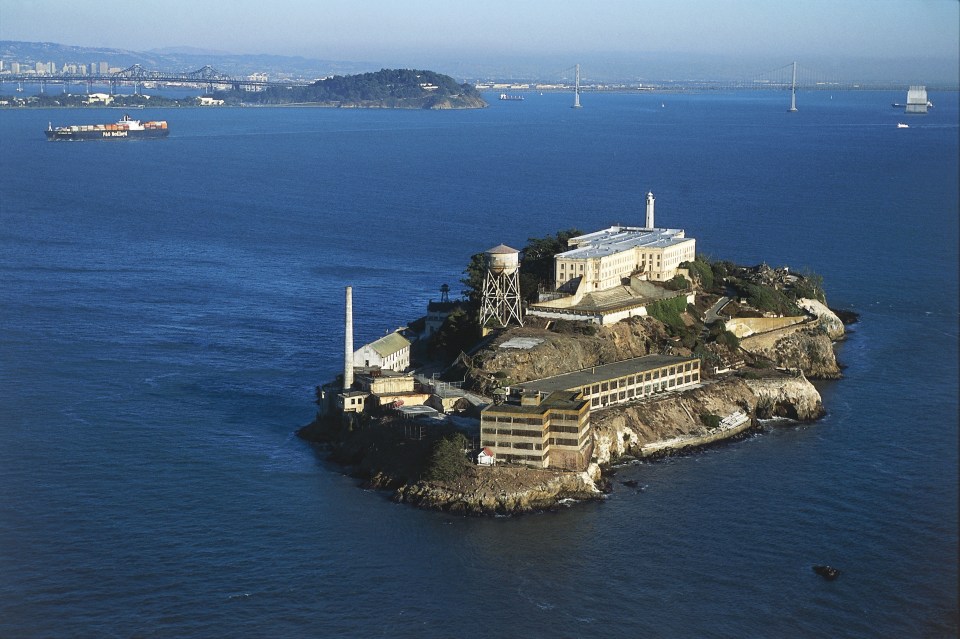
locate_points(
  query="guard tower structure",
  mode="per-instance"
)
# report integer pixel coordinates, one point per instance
(500, 300)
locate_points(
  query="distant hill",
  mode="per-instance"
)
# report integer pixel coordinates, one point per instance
(387, 88)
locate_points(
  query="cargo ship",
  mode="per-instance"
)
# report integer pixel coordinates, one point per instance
(126, 129)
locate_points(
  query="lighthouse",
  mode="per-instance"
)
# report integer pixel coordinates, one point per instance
(649, 223)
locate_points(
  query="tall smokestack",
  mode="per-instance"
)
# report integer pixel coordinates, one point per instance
(650, 211)
(348, 342)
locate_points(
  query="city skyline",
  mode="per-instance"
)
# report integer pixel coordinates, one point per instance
(856, 38)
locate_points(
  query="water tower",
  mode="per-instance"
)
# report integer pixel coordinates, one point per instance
(500, 301)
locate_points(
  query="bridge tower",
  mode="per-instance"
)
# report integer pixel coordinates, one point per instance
(500, 300)
(793, 91)
(576, 90)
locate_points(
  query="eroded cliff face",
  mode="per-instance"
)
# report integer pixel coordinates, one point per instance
(828, 319)
(628, 430)
(806, 349)
(794, 397)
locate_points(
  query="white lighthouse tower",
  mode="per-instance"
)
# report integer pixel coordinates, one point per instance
(650, 223)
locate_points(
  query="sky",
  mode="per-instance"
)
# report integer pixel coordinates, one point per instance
(762, 33)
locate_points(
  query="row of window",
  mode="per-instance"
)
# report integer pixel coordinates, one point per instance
(630, 393)
(625, 382)
(522, 458)
(514, 432)
(504, 419)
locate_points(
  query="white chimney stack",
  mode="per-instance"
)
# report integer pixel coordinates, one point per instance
(348, 343)
(650, 211)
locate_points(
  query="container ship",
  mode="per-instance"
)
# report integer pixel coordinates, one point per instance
(126, 129)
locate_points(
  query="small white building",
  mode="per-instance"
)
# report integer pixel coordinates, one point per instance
(389, 352)
(99, 98)
(486, 457)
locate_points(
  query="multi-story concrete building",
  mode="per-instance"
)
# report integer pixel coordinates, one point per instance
(544, 432)
(603, 259)
(546, 422)
(619, 382)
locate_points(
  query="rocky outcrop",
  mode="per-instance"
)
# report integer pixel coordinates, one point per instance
(806, 348)
(828, 319)
(640, 429)
(792, 397)
(503, 490)
(560, 353)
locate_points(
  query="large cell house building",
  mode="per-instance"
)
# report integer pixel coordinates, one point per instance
(603, 259)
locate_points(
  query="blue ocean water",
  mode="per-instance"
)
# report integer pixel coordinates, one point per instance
(166, 308)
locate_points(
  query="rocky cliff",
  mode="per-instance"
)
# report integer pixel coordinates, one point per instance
(791, 397)
(676, 417)
(806, 348)
(828, 319)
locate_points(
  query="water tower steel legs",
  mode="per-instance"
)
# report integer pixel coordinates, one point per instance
(500, 299)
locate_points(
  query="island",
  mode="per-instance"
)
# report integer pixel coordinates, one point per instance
(384, 89)
(559, 362)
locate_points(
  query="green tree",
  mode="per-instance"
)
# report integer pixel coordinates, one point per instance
(448, 461)
(538, 256)
(473, 282)
(458, 333)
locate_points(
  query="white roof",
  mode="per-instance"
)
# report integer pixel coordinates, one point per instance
(621, 238)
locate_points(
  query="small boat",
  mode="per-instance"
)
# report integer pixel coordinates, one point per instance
(902, 125)
(504, 96)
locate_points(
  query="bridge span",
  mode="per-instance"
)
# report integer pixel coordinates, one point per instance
(205, 77)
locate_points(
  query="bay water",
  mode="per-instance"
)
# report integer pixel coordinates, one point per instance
(167, 307)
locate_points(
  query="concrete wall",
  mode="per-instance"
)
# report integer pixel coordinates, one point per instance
(747, 326)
